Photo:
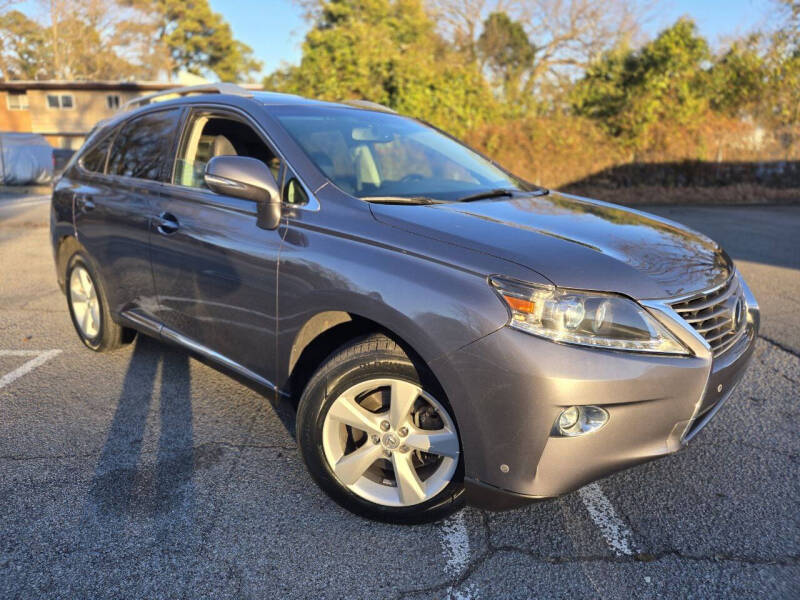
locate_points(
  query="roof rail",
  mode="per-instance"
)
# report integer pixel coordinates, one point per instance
(205, 88)
(369, 105)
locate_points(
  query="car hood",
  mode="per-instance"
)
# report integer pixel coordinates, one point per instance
(575, 242)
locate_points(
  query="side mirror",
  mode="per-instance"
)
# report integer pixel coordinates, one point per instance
(248, 178)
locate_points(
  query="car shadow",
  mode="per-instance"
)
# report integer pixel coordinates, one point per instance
(125, 482)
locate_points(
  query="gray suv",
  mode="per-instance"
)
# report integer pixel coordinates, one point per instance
(449, 332)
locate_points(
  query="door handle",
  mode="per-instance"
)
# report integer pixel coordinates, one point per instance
(167, 223)
(84, 202)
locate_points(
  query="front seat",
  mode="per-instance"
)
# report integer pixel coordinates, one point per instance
(221, 146)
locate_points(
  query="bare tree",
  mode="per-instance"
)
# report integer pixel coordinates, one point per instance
(80, 39)
(566, 34)
(461, 21)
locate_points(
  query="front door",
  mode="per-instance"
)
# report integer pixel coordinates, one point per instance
(215, 270)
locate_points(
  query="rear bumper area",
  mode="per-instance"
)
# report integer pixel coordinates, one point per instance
(508, 389)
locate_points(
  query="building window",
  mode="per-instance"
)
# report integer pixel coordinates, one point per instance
(112, 100)
(17, 101)
(62, 101)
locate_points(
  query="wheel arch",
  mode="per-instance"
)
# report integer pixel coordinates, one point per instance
(66, 246)
(326, 331)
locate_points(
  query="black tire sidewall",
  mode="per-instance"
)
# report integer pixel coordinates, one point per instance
(321, 392)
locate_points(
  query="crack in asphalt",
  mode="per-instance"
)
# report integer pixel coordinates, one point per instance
(492, 550)
(778, 344)
(478, 561)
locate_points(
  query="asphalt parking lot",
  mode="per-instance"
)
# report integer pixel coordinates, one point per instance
(148, 474)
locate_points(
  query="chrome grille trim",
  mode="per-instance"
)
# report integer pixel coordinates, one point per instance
(712, 314)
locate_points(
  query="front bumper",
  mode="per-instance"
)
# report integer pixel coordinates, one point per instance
(508, 388)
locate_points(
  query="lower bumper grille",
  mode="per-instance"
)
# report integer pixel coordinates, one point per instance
(719, 315)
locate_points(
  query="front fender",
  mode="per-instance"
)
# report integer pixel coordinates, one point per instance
(433, 296)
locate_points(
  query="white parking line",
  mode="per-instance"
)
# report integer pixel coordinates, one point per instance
(39, 358)
(617, 535)
(455, 546)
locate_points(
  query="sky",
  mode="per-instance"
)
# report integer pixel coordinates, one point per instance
(275, 28)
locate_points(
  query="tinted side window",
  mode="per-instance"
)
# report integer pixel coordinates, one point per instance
(94, 159)
(142, 148)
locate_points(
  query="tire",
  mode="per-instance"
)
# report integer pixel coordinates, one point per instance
(91, 318)
(346, 411)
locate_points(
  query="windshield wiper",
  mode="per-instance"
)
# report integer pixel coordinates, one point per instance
(502, 193)
(401, 200)
(498, 193)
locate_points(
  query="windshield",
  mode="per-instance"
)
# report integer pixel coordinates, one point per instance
(378, 155)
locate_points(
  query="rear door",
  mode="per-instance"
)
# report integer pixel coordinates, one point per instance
(119, 177)
(215, 270)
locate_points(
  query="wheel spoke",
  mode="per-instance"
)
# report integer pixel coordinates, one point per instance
(86, 282)
(351, 467)
(443, 442)
(346, 410)
(85, 320)
(412, 490)
(403, 396)
(77, 293)
(95, 312)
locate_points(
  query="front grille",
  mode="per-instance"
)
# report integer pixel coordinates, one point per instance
(719, 315)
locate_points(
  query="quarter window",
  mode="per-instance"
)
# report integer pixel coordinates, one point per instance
(143, 145)
(94, 159)
(209, 136)
(293, 192)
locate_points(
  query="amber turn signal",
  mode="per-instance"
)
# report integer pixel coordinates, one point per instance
(519, 304)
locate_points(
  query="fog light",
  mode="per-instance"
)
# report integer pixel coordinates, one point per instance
(569, 418)
(579, 420)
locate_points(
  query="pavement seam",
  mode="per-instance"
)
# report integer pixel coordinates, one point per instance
(779, 345)
(789, 561)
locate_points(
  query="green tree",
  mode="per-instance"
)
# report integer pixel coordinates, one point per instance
(387, 51)
(199, 40)
(629, 90)
(783, 65)
(783, 79)
(506, 51)
(738, 79)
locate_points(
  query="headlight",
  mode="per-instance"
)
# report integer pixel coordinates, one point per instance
(585, 318)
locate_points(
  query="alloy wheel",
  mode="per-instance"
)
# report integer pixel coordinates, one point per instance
(390, 442)
(85, 304)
